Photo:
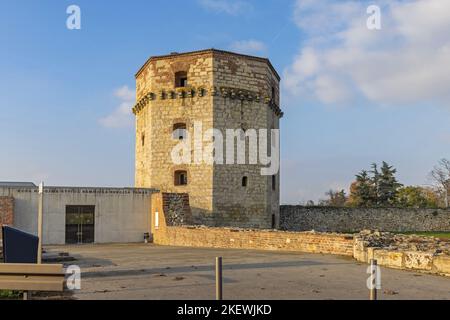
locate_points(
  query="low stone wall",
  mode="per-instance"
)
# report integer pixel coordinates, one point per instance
(408, 252)
(336, 219)
(255, 239)
(165, 232)
(391, 250)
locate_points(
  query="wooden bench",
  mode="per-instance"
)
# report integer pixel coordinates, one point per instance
(32, 277)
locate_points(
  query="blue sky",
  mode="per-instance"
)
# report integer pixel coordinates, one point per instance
(351, 96)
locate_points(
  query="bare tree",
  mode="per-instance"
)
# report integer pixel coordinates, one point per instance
(441, 176)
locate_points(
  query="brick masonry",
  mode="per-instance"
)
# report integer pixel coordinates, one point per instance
(201, 236)
(332, 219)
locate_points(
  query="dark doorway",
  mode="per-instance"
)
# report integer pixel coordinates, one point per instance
(80, 224)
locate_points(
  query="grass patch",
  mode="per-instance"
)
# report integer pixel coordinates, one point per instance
(10, 294)
(440, 235)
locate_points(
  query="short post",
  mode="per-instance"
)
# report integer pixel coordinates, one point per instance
(218, 278)
(374, 277)
(26, 295)
(40, 221)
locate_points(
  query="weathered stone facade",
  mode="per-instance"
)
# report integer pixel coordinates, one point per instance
(176, 208)
(6, 212)
(335, 219)
(224, 91)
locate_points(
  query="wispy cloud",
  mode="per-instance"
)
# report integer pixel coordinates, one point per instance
(249, 46)
(406, 62)
(231, 7)
(121, 117)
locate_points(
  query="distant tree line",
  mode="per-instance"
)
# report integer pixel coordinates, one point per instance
(379, 187)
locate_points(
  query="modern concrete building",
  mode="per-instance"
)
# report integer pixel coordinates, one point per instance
(81, 215)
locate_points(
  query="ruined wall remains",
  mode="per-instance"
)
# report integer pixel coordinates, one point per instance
(224, 91)
(408, 252)
(332, 219)
(6, 212)
(176, 208)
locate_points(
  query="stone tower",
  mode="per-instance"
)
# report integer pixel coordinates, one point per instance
(182, 95)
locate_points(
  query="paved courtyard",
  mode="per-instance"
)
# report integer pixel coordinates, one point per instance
(139, 271)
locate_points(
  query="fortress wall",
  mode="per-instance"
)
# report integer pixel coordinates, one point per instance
(334, 219)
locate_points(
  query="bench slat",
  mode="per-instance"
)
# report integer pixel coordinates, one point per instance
(21, 268)
(38, 285)
(32, 277)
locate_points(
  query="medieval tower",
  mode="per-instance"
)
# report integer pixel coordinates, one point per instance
(183, 95)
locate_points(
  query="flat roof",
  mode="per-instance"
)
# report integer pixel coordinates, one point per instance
(212, 50)
(16, 184)
(29, 186)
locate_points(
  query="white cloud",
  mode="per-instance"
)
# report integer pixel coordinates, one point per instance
(122, 116)
(231, 7)
(406, 62)
(248, 46)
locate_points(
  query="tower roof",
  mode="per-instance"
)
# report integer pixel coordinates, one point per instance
(206, 51)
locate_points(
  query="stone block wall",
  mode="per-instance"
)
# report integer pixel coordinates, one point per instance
(176, 208)
(165, 233)
(211, 237)
(333, 219)
(6, 212)
(410, 252)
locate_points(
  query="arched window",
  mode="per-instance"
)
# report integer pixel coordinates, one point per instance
(180, 178)
(181, 79)
(179, 131)
(143, 139)
(244, 181)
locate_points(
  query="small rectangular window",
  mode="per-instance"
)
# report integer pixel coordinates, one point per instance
(181, 79)
(180, 178)
(274, 182)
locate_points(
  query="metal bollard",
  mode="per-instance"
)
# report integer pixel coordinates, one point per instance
(218, 278)
(373, 289)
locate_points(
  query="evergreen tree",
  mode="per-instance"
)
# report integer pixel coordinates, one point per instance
(379, 188)
(387, 185)
(363, 192)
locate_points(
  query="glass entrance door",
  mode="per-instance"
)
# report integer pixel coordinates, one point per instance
(80, 224)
